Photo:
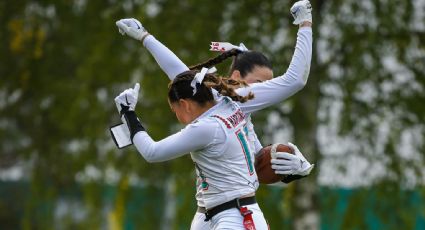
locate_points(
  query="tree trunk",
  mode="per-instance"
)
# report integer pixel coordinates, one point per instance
(304, 207)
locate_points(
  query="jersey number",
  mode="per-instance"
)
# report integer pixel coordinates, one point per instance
(242, 139)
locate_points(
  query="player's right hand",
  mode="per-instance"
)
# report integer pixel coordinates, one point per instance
(132, 27)
(291, 164)
(301, 11)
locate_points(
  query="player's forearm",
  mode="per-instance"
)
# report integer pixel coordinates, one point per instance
(299, 68)
(165, 58)
(257, 144)
(154, 151)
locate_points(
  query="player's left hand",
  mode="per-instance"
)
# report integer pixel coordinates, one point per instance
(301, 11)
(127, 100)
(291, 164)
(132, 27)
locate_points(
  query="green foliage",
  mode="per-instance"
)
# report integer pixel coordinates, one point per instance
(63, 62)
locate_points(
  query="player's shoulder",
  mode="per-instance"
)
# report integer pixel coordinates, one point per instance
(206, 128)
(204, 123)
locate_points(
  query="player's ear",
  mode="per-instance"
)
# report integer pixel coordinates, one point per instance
(185, 105)
(236, 75)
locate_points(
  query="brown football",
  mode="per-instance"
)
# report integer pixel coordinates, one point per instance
(263, 166)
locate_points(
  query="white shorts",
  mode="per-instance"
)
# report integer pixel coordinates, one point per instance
(229, 219)
(198, 222)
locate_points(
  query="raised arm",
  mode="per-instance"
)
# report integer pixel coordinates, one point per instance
(266, 93)
(165, 58)
(280, 88)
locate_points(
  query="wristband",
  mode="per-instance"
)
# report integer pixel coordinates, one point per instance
(144, 36)
(133, 123)
(290, 178)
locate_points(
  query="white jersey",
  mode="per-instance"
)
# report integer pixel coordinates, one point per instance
(225, 171)
(253, 141)
(266, 93)
(218, 144)
(255, 144)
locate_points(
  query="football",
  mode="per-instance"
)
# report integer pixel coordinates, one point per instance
(263, 166)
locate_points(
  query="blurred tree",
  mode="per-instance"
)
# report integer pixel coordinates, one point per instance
(360, 118)
(367, 84)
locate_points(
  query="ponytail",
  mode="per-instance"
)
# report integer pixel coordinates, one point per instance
(226, 87)
(216, 60)
(180, 88)
(243, 61)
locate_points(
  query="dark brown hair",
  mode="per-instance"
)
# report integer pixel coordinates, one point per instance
(216, 60)
(244, 62)
(180, 88)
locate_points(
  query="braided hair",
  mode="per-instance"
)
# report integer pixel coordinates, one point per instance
(216, 60)
(244, 62)
(180, 88)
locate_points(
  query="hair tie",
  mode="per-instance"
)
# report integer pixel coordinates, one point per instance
(199, 77)
(226, 46)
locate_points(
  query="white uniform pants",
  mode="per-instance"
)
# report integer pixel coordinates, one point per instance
(229, 219)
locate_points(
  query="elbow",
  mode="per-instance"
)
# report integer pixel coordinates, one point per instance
(150, 160)
(302, 81)
(147, 153)
(299, 78)
(298, 85)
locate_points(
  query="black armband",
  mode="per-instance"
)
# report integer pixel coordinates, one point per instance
(290, 178)
(133, 123)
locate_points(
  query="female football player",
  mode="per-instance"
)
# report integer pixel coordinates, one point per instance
(215, 136)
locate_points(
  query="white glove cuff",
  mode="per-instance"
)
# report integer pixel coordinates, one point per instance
(307, 171)
(306, 18)
(273, 151)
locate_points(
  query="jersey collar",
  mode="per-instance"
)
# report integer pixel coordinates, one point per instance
(209, 111)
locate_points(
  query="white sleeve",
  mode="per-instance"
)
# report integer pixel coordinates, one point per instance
(193, 137)
(165, 58)
(280, 88)
(257, 145)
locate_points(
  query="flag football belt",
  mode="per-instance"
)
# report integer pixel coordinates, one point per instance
(236, 203)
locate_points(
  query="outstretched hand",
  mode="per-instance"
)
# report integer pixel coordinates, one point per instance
(127, 100)
(301, 11)
(132, 28)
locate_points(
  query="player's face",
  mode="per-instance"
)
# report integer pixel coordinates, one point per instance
(258, 74)
(181, 112)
